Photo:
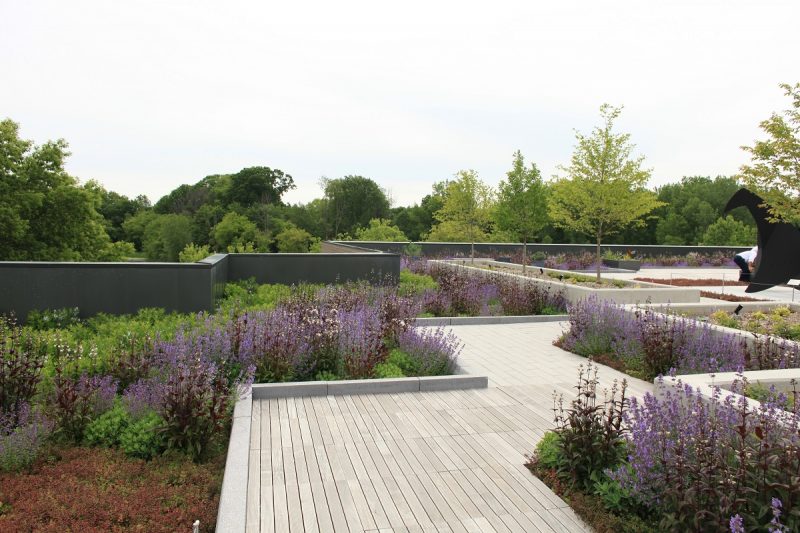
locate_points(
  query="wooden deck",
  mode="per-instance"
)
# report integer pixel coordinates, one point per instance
(429, 461)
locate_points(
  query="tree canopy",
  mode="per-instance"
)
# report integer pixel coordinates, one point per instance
(521, 209)
(467, 207)
(45, 214)
(352, 201)
(603, 189)
(774, 172)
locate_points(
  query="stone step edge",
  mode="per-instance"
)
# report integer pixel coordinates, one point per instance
(262, 391)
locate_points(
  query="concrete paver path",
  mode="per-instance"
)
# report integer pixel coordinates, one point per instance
(427, 461)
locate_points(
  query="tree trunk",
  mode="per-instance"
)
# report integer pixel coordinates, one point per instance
(472, 251)
(524, 253)
(597, 258)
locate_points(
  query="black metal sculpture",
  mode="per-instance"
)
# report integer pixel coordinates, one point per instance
(778, 258)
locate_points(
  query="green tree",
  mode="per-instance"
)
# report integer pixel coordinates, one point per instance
(728, 231)
(672, 229)
(236, 228)
(116, 208)
(521, 210)
(691, 206)
(604, 187)
(258, 185)
(166, 236)
(352, 201)
(45, 215)
(467, 207)
(380, 230)
(134, 226)
(295, 240)
(774, 172)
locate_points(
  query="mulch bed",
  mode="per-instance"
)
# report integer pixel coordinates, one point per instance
(729, 297)
(686, 282)
(101, 490)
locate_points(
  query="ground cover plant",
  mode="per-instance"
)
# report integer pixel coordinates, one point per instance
(679, 463)
(780, 321)
(646, 343)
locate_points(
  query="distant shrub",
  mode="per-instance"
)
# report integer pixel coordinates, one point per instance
(53, 318)
(193, 253)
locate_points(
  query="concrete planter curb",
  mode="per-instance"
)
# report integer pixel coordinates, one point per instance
(232, 513)
(474, 320)
(262, 391)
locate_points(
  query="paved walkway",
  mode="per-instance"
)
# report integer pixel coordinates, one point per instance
(433, 461)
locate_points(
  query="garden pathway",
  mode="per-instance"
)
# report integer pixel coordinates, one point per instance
(431, 461)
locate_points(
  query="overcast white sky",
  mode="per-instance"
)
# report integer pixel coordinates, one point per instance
(150, 94)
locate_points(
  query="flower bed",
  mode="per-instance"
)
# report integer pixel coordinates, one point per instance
(681, 461)
(729, 297)
(645, 342)
(780, 321)
(472, 293)
(574, 287)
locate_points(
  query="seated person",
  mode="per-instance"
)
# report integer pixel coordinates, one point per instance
(745, 260)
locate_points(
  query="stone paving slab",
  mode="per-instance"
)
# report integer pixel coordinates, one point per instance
(420, 461)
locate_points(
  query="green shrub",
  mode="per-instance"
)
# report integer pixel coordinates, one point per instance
(412, 249)
(53, 318)
(193, 253)
(388, 370)
(407, 364)
(548, 450)
(108, 428)
(143, 438)
(411, 283)
(326, 375)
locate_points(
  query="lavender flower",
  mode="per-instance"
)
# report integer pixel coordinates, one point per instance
(432, 351)
(22, 435)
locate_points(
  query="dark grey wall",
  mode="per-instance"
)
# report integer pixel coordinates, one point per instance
(313, 268)
(122, 288)
(116, 288)
(440, 249)
(219, 275)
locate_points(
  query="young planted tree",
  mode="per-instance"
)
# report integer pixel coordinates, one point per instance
(775, 169)
(603, 191)
(521, 208)
(467, 205)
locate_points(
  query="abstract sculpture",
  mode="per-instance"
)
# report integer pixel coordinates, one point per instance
(778, 258)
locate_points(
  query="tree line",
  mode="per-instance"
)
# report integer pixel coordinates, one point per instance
(600, 196)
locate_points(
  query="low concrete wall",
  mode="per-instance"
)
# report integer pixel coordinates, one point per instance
(635, 292)
(115, 288)
(124, 288)
(314, 268)
(329, 247)
(494, 249)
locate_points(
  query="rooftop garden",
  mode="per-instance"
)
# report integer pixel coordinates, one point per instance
(149, 397)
